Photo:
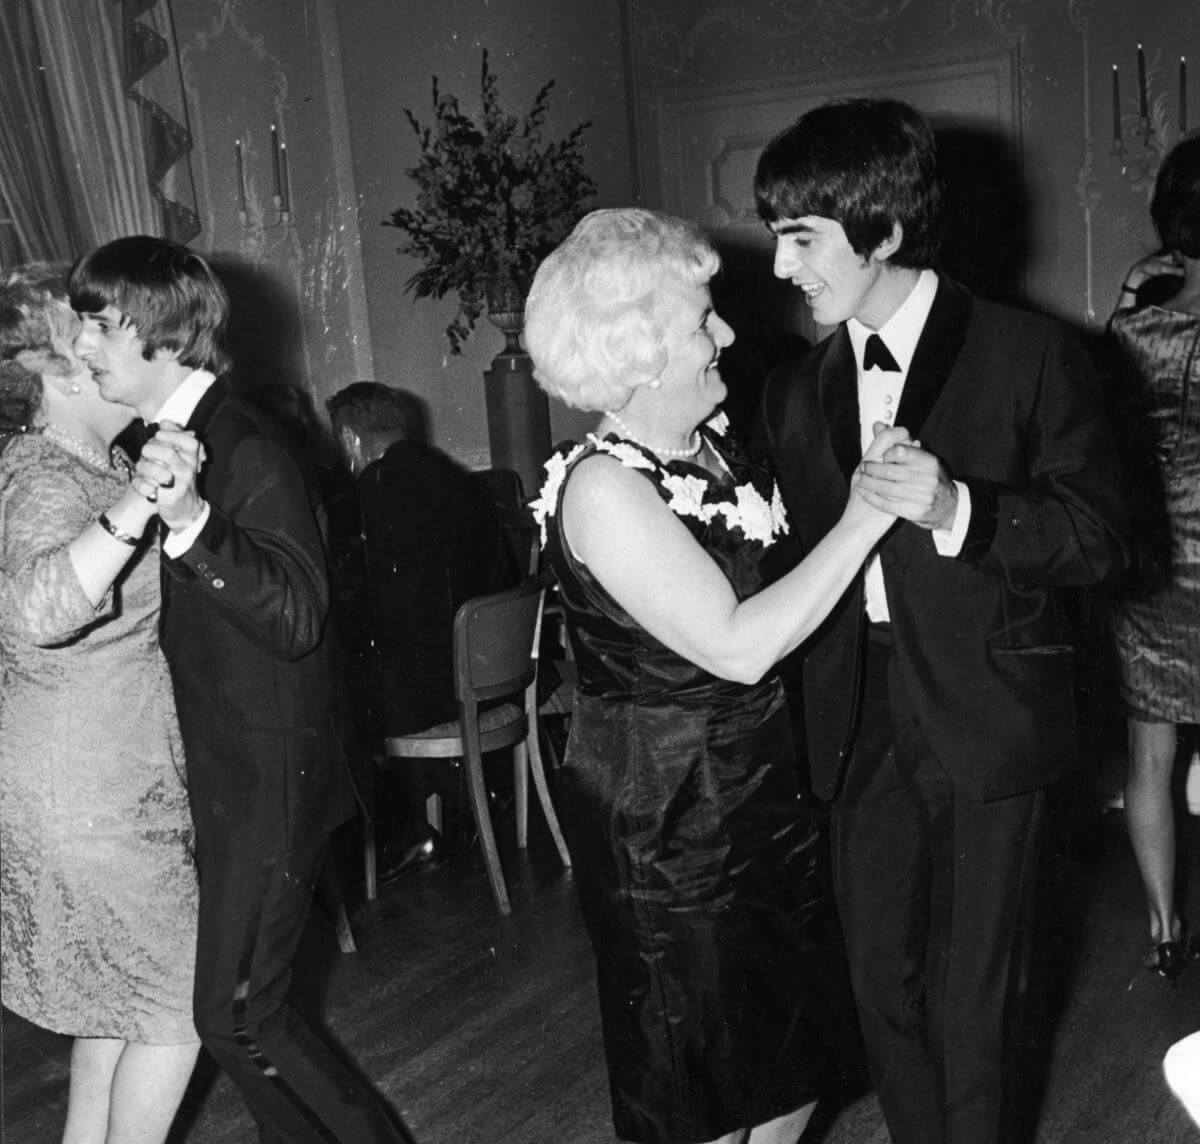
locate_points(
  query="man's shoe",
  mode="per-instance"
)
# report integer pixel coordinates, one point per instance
(427, 854)
(499, 804)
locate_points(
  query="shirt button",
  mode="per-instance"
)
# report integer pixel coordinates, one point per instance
(887, 399)
(218, 583)
(887, 415)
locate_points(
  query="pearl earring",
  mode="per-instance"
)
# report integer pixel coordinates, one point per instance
(656, 384)
(75, 388)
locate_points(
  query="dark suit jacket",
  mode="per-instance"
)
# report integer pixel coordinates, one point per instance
(243, 629)
(431, 542)
(1008, 400)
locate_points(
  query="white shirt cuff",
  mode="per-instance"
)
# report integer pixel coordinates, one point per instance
(177, 543)
(949, 541)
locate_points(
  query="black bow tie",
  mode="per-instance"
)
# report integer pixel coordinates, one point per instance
(877, 356)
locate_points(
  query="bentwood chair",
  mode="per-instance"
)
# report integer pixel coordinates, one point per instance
(507, 494)
(495, 681)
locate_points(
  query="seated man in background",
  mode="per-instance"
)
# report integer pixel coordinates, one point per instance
(431, 542)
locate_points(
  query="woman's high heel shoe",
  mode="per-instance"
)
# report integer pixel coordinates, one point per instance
(1169, 958)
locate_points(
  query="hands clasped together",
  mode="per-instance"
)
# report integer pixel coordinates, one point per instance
(898, 477)
(166, 474)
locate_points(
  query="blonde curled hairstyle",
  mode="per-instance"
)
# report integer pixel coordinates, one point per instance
(596, 318)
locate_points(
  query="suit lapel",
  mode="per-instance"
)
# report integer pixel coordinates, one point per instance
(838, 386)
(937, 350)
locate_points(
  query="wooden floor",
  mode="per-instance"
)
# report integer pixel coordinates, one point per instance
(483, 1030)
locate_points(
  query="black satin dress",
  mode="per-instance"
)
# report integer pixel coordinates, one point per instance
(693, 847)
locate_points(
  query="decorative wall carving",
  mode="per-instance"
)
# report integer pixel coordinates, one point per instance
(709, 140)
(228, 34)
(1000, 14)
(801, 31)
(242, 61)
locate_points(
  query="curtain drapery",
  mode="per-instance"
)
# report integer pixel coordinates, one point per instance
(88, 148)
(34, 195)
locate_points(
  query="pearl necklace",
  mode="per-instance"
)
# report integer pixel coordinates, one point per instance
(73, 445)
(658, 450)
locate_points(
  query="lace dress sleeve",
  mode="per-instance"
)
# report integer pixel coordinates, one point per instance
(43, 509)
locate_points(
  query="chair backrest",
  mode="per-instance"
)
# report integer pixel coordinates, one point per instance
(503, 486)
(521, 534)
(494, 641)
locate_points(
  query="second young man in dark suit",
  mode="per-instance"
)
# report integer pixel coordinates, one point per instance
(245, 596)
(938, 696)
(431, 542)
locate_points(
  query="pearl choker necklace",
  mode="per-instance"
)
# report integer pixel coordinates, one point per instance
(658, 450)
(74, 446)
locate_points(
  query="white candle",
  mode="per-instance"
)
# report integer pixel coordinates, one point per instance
(275, 161)
(241, 175)
(286, 184)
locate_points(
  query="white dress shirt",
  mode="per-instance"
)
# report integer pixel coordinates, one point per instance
(178, 408)
(878, 399)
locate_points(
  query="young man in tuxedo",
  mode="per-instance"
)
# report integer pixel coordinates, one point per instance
(938, 697)
(245, 595)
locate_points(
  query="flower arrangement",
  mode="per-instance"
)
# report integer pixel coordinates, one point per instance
(493, 200)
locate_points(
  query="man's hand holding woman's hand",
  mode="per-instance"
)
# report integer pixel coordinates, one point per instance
(860, 507)
(900, 478)
(166, 475)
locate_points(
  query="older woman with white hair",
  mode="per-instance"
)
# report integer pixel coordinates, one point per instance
(693, 843)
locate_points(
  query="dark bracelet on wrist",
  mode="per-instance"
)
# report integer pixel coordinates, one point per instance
(115, 532)
(1127, 289)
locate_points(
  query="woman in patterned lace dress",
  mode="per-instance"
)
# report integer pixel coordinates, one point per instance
(1158, 623)
(693, 844)
(97, 887)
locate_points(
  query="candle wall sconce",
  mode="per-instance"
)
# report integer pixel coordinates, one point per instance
(281, 198)
(1151, 127)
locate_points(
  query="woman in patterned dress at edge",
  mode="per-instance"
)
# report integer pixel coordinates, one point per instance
(692, 842)
(97, 884)
(1157, 623)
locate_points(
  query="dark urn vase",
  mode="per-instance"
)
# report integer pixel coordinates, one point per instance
(518, 413)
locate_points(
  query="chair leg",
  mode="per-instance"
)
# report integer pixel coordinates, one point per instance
(521, 793)
(477, 789)
(543, 791)
(333, 903)
(433, 813)
(367, 814)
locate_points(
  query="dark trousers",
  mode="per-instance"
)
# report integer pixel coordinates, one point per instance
(252, 915)
(936, 894)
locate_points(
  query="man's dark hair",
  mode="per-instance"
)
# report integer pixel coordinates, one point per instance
(865, 163)
(168, 292)
(372, 407)
(1175, 207)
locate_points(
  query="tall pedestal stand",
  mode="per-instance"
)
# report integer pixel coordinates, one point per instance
(517, 410)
